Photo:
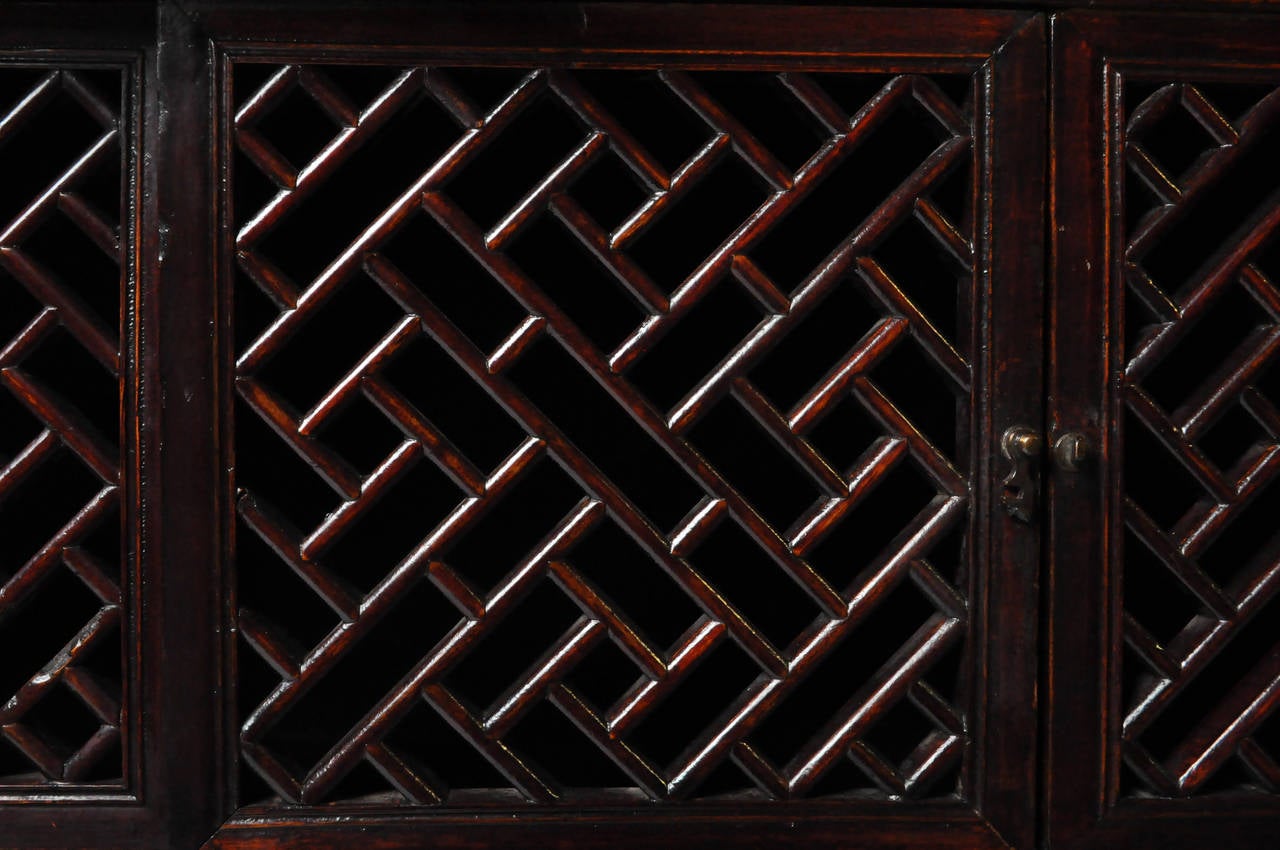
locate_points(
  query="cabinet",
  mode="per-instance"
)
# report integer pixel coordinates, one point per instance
(576, 426)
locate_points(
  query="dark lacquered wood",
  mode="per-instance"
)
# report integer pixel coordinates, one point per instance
(641, 830)
(615, 27)
(1093, 380)
(186, 443)
(1252, 6)
(183, 665)
(1014, 312)
(1043, 762)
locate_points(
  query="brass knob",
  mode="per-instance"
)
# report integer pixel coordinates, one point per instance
(1021, 441)
(1070, 451)
(1021, 447)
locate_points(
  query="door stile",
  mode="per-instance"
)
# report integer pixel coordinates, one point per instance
(1075, 699)
(1013, 164)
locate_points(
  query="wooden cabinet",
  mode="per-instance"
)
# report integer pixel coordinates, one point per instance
(624, 424)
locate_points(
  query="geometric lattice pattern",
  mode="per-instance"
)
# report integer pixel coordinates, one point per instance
(1201, 440)
(601, 434)
(61, 609)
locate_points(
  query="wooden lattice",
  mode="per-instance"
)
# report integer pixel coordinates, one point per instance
(488, 393)
(1202, 437)
(61, 287)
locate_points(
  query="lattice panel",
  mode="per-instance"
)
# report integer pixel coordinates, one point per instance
(600, 434)
(62, 276)
(1198, 390)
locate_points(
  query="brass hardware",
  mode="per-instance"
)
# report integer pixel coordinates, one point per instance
(1021, 447)
(1070, 451)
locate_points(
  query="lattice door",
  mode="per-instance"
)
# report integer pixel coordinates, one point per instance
(616, 431)
(1168, 556)
(606, 435)
(553, 425)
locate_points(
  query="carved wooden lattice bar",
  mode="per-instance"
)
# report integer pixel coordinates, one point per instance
(1201, 437)
(63, 369)
(602, 434)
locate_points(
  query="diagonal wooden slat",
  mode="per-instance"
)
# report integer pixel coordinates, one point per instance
(899, 671)
(622, 142)
(1217, 737)
(72, 312)
(836, 383)
(409, 781)
(92, 222)
(1179, 565)
(35, 213)
(550, 668)
(499, 755)
(352, 258)
(103, 624)
(327, 96)
(395, 340)
(938, 754)
(710, 480)
(346, 753)
(624, 633)
(1250, 129)
(85, 759)
(453, 99)
(681, 183)
(29, 105)
(745, 143)
(817, 100)
(284, 541)
(541, 195)
(811, 292)
(26, 579)
(436, 445)
(343, 146)
(331, 467)
(1213, 279)
(633, 764)
(754, 705)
